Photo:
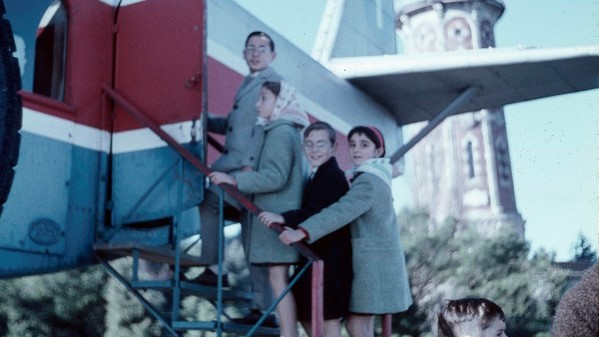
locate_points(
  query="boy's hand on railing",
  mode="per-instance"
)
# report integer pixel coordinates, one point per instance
(289, 236)
(218, 178)
(268, 218)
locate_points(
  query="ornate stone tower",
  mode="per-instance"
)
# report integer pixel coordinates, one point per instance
(462, 169)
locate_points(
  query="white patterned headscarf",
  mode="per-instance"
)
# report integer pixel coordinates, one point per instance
(287, 106)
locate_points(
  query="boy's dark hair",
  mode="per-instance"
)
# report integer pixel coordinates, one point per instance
(320, 125)
(371, 133)
(263, 34)
(274, 87)
(467, 315)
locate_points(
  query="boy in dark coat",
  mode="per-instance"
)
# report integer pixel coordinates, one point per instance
(326, 185)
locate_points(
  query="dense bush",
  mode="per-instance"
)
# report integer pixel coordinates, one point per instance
(447, 263)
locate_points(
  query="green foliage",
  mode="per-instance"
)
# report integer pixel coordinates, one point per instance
(125, 315)
(444, 263)
(89, 302)
(447, 263)
(583, 251)
(65, 304)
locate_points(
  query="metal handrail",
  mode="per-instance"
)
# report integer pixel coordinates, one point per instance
(215, 144)
(301, 247)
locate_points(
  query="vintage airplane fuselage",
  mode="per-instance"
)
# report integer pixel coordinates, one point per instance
(88, 171)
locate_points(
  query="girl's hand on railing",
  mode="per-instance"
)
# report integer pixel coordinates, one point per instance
(289, 236)
(268, 218)
(219, 178)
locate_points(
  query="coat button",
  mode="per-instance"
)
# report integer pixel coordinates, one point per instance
(235, 107)
(252, 158)
(225, 151)
(230, 129)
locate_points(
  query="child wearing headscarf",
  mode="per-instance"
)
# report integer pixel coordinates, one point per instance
(276, 185)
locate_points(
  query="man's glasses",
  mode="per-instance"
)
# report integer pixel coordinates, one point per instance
(319, 146)
(260, 50)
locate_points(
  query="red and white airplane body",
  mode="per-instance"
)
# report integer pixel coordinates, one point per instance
(89, 172)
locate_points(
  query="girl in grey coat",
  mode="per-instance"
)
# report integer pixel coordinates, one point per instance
(276, 184)
(380, 284)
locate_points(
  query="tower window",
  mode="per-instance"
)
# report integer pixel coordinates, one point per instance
(470, 160)
(503, 162)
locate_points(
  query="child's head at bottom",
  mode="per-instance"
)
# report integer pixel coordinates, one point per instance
(471, 317)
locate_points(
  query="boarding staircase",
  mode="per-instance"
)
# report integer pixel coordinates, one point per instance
(160, 242)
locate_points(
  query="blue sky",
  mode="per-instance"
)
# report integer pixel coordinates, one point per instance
(554, 142)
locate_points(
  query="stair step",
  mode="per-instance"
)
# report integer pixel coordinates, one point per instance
(194, 325)
(227, 327)
(160, 254)
(155, 236)
(189, 288)
(243, 328)
(193, 289)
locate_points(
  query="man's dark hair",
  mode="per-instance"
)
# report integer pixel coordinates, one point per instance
(259, 33)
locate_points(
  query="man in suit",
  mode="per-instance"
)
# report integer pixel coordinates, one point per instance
(243, 144)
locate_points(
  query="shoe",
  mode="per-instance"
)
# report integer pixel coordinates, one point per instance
(254, 316)
(209, 278)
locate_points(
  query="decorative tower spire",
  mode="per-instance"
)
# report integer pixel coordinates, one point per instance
(462, 169)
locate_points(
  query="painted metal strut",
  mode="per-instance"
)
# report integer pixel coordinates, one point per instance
(449, 110)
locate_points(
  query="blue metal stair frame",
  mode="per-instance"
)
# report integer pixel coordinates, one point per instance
(173, 323)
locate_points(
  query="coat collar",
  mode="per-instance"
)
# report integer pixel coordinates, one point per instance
(253, 82)
(380, 167)
(273, 124)
(329, 164)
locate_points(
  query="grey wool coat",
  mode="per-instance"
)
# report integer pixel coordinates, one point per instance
(276, 185)
(380, 284)
(244, 138)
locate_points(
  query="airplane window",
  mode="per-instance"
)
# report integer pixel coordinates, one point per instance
(50, 53)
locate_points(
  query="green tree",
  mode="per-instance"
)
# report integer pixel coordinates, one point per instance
(89, 302)
(65, 304)
(447, 263)
(583, 251)
(125, 315)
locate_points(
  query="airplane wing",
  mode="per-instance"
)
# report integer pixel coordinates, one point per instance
(417, 87)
